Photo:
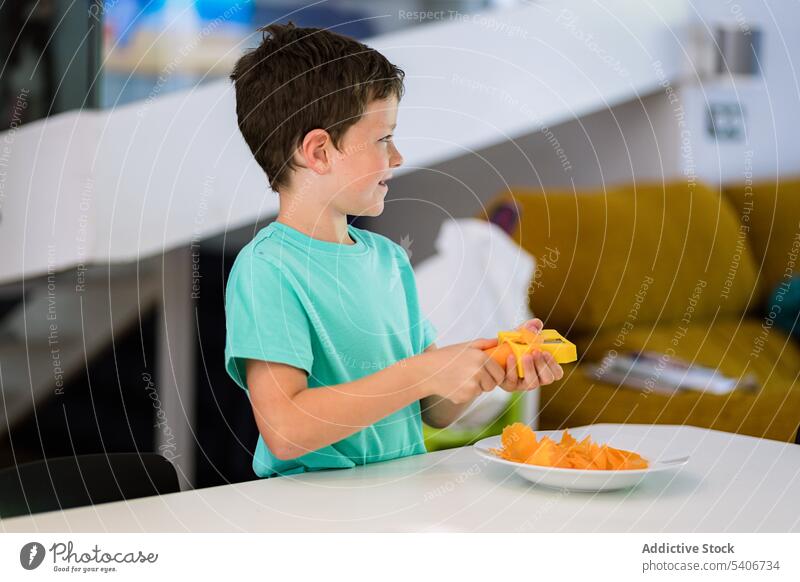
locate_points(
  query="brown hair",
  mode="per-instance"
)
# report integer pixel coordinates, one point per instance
(301, 79)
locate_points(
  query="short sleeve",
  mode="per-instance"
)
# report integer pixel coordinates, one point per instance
(264, 319)
(421, 326)
(429, 333)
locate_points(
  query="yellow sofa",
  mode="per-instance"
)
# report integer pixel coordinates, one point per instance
(678, 269)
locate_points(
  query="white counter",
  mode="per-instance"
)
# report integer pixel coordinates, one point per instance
(731, 484)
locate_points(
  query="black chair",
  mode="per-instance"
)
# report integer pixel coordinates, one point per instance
(65, 482)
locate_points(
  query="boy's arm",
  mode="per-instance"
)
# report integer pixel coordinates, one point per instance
(295, 420)
(439, 412)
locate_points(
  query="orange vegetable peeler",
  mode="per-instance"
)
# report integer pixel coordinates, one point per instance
(524, 341)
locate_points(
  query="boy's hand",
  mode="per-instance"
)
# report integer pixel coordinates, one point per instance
(460, 372)
(540, 367)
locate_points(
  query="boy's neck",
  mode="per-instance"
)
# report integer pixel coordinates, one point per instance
(326, 224)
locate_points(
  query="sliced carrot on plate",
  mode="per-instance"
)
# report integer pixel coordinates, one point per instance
(519, 444)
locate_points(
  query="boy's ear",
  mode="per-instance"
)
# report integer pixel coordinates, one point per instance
(314, 151)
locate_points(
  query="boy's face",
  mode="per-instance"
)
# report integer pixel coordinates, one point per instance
(365, 160)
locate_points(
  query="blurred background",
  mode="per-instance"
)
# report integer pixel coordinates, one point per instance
(634, 166)
(93, 53)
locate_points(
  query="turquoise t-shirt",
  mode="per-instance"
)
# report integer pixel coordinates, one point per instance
(337, 311)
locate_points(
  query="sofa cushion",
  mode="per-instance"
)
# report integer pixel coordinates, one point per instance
(770, 211)
(646, 253)
(736, 347)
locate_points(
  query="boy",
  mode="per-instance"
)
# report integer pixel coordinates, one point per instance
(324, 328)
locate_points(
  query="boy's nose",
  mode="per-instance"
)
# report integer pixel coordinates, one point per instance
(395, 159)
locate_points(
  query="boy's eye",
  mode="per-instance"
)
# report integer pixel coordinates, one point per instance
(386, 138)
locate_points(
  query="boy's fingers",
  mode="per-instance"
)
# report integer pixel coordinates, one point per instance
(534, 324)
(496, 372)
(543, 370)
(482, 343)
(531, 379)
(555, 368)
(511, 379)
(558, 372)
(485, 381)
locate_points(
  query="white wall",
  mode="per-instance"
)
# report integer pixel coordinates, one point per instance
(771, 101)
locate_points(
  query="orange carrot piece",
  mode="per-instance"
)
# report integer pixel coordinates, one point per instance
(521, 445)
(500, 354)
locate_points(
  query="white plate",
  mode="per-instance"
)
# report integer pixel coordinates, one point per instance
(584, 479)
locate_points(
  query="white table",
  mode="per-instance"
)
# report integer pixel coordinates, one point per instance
(731, 484)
